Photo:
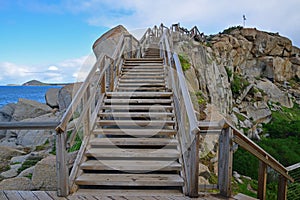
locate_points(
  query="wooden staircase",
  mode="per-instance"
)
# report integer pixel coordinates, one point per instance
(134, 144)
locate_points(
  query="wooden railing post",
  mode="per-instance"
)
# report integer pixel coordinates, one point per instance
(225, 162)
(61, 166)
(282, 188)
(262, 181)
(194, 167)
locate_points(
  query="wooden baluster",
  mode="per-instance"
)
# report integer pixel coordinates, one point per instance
(225, 162)
(194, 167)
(262, 181)
(61, 166)
(112, 79)
(282, 188)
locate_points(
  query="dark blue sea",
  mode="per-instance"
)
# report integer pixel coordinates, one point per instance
(11, 94)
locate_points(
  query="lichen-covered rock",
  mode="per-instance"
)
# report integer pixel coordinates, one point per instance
(44, 174)
(51, 97)
(26, 109)
(17, 183)
(66, 94)
(274, 93)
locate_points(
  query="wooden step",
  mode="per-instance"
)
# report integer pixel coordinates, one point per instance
(138, 94)
(130, 180)
(102, 142)
(119, 153)
(158, 123)
(137, 114)
(135, 132)
(143, 60)
(133, 89)
(142, 76)
(143, 69)
(141, 73)
(149, 81)
(137, 101)
(136, 166)
(151, 108)
(141, 85)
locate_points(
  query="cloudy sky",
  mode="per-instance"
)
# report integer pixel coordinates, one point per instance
(50, 40)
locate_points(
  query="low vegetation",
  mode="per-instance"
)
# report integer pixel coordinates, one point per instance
(238, 84)
(184, 61)
(283, 144)
(230, 29)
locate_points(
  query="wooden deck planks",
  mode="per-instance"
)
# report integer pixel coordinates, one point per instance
(110, 195)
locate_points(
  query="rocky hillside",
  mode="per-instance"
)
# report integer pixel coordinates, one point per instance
(243, 73)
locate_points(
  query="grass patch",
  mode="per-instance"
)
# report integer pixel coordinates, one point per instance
(184, 61)
(284, 123)
(29, 163)
(29, 176)
(238, 84)
(230, 29)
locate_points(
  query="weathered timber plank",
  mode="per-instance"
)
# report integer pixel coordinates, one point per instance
(156, 123)
(132, 153)
(136, 132)
(12, 194)
(28, 195)
(130, 180)
(131, 165)
(139, 94)
(28, 125)
(42, 195)
(2, 195)
(133, 142)
(131, 101)
(136, 114)
(53, 195)
(262, 181)
(161, 108)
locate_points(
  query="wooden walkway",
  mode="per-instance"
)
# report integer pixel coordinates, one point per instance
(108, 195)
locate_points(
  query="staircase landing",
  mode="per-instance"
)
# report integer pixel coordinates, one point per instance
(105, 195)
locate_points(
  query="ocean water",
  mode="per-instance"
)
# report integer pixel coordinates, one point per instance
(11, 94)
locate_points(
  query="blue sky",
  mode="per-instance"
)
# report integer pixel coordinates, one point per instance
(50, 40)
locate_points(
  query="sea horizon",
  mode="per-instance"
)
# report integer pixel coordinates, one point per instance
(12, 93)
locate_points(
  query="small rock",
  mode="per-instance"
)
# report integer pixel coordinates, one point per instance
(203, 181)
(18, 159)
(204, 171)
(27, 172)
(236, 175)
(236, 110)
(17, 183)
(9, 174)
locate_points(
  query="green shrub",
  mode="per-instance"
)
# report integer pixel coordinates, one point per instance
(238, 84)
(228, 30)
(184, 61)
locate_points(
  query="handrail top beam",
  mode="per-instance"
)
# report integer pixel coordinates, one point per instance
(28, 125)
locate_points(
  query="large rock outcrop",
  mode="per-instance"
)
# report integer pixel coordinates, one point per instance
(107, 42)
(26, 109)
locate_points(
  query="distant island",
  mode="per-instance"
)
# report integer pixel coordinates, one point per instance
(39, 83)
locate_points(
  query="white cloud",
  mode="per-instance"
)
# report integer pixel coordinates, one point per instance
(52, 68)
(210, 16)
(70, 70)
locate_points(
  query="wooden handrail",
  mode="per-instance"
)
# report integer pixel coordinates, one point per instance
(76, 100)
(257, 151)
(28, 125)
(187, 122)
